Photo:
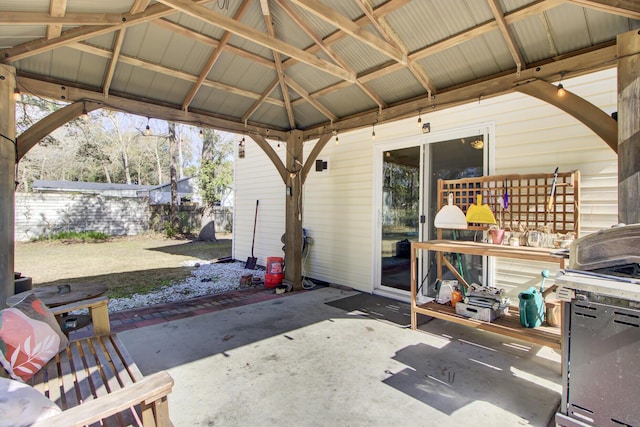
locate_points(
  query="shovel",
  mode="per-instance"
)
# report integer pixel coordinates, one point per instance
(251, 261)
(480, 214)
(450, 216)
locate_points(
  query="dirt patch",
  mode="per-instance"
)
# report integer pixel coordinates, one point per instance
(127, 265)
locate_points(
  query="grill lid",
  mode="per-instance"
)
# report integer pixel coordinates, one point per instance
(613, 249)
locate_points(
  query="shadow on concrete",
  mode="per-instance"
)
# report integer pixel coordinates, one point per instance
(460, 373)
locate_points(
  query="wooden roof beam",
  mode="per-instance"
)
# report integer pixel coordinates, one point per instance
(202, 38)
(77, 34)
(139, 6)
(626, 8)
(328, 50)
(57, 8)
(45, 18)
(219, 20)
(353, 29)
(385, 29)
(277, 60)
(143, 107)
(304, 94)
(496, 9)
(588, 114)
(113, 61)
(213, 58)
(602, 57)
(135, 62)
(260, 100)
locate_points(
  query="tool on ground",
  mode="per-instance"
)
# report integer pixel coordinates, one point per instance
(479, 213)
(553, 191)
(251, 261)
(450, 216)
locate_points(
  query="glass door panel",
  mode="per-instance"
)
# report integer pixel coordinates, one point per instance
(400, 215)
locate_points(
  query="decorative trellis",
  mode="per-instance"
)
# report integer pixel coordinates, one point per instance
(528, 201)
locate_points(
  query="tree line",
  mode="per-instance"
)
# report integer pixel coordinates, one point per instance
(113, 147)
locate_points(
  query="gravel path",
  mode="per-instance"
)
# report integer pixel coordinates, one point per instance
(206, 279)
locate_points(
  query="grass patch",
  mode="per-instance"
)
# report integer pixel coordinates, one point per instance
(126, 265)
(75, 236)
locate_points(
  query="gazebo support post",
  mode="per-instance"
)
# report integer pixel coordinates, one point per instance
(629, 127)
(8, 152)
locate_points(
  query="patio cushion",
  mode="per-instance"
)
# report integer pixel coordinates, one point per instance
(29, 337)
(22, 405)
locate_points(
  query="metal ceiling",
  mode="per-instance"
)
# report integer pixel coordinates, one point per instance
(353, 58)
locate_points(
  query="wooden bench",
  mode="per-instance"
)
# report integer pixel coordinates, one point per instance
(95, 380)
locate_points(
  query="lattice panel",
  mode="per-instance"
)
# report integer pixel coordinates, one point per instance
(528, 199)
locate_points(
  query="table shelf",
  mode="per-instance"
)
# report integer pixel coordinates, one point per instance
(509, 324)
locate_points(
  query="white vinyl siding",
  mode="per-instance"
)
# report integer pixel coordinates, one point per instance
(530, 137)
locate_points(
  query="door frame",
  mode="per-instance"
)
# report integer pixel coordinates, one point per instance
(487, 129)
(376, 262)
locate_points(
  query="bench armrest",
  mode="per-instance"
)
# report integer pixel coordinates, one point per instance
(151, 393)
(97, 309)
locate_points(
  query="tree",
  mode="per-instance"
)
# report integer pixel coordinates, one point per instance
(216, 167)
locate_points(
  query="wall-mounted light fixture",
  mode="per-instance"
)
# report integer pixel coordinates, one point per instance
(426, 128)
(321, 165)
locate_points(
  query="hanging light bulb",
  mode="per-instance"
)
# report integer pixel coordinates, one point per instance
(561, 91)
(201, 134)
(85, 114)
(420, 119)
(147, 130)
(242, 141)
(278, 146)
(335, 133)
(373, 132)
(16, 94)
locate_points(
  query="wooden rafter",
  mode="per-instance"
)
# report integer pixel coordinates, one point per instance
(45, 18)
(304, 94)
(626, 8)
(353, 29)
(591, 116)
(600, 58)
(496, 9)
(57, 8)
(113, 61)
(277, 60)
(203, 38)
(388, 33)
(260, 100)
(195, 10)
(135, 62)
(81, 33)
(328, 50)
(214, 57)
(139, 6)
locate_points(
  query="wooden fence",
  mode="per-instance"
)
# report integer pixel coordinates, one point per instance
(42, 214)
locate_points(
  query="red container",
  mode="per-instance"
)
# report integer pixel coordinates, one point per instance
(275, 272)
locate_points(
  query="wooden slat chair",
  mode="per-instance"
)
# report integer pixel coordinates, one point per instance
(95, 380)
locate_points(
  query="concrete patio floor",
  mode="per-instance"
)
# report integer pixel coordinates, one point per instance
(296, 361)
